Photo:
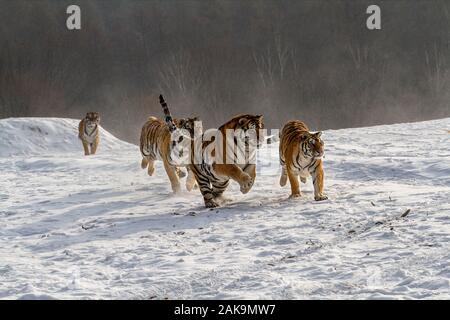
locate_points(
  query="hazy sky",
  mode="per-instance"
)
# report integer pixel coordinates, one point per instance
(310, 60)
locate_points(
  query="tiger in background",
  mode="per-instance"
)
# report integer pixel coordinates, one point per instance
(156, 144)
(301, 156)
(213, 177)
(88, 132)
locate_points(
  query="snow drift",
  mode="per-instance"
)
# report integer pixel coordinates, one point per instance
(98, 227)
(43, 136)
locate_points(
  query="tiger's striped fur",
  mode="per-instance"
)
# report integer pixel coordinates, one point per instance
(156, 144)
(213, 177)
(88, 132)
(301, 156)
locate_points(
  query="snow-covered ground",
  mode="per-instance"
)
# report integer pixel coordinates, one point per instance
(99, 227)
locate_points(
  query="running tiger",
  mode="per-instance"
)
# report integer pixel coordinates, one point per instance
(301, 155)
(156, 144)
(213, 176)
(88, 132)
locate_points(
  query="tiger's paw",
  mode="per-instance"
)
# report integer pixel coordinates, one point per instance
(176, 189)
(320, 197)
(211, 204)
(144, 163)
(246, 183)
(295, 196)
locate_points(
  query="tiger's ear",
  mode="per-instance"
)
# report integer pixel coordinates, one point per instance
(242, 120)
(318, 134)
(304, 136)
(259, 117)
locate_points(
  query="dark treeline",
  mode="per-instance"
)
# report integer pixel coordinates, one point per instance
(311, 60)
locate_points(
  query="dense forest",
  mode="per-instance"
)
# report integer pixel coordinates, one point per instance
(310, 60)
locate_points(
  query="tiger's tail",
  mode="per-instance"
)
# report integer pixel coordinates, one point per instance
(168, 116)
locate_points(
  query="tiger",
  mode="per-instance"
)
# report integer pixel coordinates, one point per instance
(301, 155)
(156, 144)
(213, 176)
(88, 132)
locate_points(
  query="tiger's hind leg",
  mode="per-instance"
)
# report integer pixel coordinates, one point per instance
(85, 147)
(173, 177)
(148, 164)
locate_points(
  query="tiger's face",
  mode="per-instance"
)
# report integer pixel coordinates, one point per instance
(253, 123)
(93, 118)
(313, 145)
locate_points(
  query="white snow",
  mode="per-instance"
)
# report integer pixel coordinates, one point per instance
(45, 136)
(98, 227)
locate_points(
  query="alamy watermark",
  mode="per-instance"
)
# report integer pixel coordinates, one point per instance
(230, 146)
(73, 21)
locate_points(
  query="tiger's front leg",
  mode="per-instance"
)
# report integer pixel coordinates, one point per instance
(234, 172)
(251, 170)
(173, 176)
(219, 187)
(318, 177)
(208, 195)
(293, 180)
(85, 147)
(204, 186)
(94, 147)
